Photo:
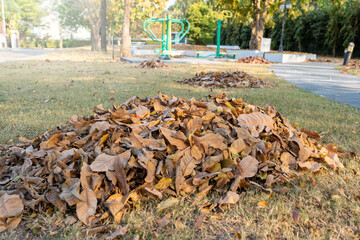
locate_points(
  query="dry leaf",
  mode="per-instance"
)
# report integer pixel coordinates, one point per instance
(249, 167)
(255, 119)
(310, 165)
(167, 203)
(120, 232)
(10, 205)
(87, 208)
(230, 198)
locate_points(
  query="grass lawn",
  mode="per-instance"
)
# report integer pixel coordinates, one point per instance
(38, 95)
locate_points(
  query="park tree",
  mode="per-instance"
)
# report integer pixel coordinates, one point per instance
(23, 15)
(203, 25)
(125, 50)
(103, 25)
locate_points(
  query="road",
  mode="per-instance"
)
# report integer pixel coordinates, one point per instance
(9, 55)
(322, 79)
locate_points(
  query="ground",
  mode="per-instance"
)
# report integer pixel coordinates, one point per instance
(41, 94)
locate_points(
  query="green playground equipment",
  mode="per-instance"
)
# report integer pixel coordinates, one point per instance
(221, 15)
(166, 38)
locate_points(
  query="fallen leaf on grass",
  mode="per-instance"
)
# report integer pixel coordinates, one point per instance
(120, 232)
(262, 204)
(230, 198)
(167, 203)
(310, 165)
(295, 215)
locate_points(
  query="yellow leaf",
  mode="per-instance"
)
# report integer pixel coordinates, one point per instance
(104, 138)
(262, 204)
(164, 183)
(335, 197)
(167, 203)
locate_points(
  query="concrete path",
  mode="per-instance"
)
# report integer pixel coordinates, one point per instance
(188, 60)
(9, 55)
(322, 79)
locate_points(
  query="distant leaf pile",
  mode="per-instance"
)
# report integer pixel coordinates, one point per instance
(323, 60)
(154, 148)
(253, 60)
(237, 79)
(352, 65)
(152, 64)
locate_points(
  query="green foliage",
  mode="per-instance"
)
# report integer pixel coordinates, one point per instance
(325, 28)
(22, 15)
(202, 24)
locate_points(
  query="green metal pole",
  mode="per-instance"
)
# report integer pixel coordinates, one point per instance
(163, 37)
(218, 38)
(168, 32)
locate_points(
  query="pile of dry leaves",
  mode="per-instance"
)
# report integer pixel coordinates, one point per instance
(237, 79)
(153, 64)
(322, 60)
(157, 147)
(253, 60)
(355, 65)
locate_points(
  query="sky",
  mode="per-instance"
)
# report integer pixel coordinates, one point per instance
(170, 2)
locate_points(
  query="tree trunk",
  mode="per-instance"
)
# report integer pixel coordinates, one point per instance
(125, 50)
(257, 30)
(94, 38)
(60, 37)
(103, 25)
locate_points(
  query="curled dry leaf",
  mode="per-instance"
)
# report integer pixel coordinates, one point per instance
(10, 205)
(230, 198)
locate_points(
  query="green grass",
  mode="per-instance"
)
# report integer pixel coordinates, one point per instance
(38, 95)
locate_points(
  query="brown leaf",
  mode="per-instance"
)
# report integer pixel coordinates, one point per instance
(212, 140)
(173, 141)
(86, 208)
(310, 165)
(10, 205)
(54, 198)
(70, 220)
(120, 232)
(71, 191)
(295, 216)
(142, 112)
(256, 119)
(105, 162)
(230, 198)
(114, 204)
(248, 167)
(184, 168)
(334, 162)
(121, 176)
(238, 145)
(199, 220)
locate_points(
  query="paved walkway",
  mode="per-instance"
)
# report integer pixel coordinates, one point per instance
(188, 60)
(9, 55)
(322, 79)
